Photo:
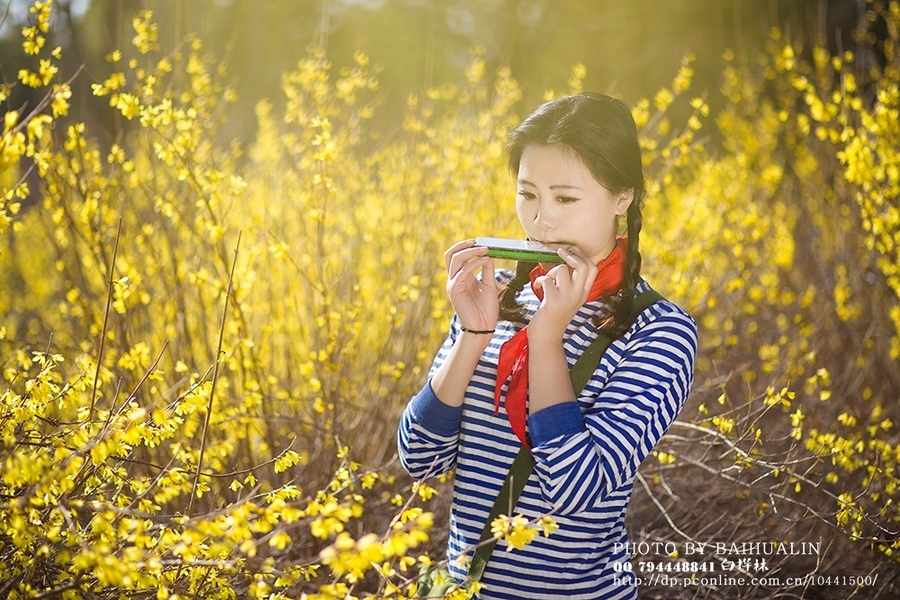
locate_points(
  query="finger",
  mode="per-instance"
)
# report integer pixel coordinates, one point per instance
(575, 258)
(558, 272)
(583, 269)
(469, 268)
(551, 281)
(577, 266)
(575, 251)
(570, 257)
(464, 256)
(554, 290)
(565, 279)
(455, 248)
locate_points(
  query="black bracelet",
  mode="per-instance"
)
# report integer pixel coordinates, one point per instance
(477, 331)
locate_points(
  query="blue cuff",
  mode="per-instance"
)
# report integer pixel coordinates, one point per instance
(555, 421)
(434, 415)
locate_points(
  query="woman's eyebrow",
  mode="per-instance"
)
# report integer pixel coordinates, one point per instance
(559, 186)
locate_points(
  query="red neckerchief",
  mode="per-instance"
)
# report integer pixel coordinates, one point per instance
(512, 363)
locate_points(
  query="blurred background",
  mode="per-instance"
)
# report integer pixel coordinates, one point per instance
(629, 49)
(361, 138)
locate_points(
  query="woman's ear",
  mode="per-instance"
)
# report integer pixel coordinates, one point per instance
(623, 201)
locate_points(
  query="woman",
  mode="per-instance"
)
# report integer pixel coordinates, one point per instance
(497, 384)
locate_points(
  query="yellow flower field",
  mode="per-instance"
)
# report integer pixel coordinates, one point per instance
(206, 343)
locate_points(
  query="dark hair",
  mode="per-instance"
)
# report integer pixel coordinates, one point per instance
(601, 131)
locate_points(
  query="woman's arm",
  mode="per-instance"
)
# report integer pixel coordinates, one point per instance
(580, 458)
(549, 382)
(565, 289)
(451, 379)
(429, 429)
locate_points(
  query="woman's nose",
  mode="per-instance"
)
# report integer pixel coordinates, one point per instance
(545, 218)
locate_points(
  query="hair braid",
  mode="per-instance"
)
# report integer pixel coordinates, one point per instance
(617, 319)
(634, 224)
(510, 309)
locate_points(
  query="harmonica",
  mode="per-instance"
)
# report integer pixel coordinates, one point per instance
(524, 250)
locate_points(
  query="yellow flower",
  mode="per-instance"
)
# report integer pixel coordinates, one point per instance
(515, 530)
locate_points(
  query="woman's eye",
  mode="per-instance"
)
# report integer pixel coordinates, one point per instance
(527, 195)
(567, 199)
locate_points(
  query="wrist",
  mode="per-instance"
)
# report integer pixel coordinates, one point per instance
(475, 331)
(474, 341)
(546, 349)
(542, 338)
(547, 328)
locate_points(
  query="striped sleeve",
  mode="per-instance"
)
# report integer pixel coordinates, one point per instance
(428, 434)
(580, 462)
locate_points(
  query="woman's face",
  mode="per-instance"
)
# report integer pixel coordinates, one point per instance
(559, 203)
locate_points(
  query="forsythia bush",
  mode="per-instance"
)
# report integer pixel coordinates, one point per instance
(206, 344)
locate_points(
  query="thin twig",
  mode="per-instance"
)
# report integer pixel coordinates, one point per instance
(109, 295)
(215, 378)
(5, 14)
(661, 508)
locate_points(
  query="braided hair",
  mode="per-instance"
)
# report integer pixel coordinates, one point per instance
(601, 131)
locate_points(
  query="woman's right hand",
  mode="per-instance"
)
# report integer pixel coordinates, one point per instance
(476, 302)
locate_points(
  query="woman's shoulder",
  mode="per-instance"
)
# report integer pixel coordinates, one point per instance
(664, 317)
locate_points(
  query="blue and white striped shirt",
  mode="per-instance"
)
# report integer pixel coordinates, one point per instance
(586, 453)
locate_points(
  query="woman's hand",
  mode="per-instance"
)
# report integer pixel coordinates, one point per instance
(475, 302)
(477, 307)
(566, 288)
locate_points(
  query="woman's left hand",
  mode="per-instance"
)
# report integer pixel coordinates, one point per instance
(566, 288)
